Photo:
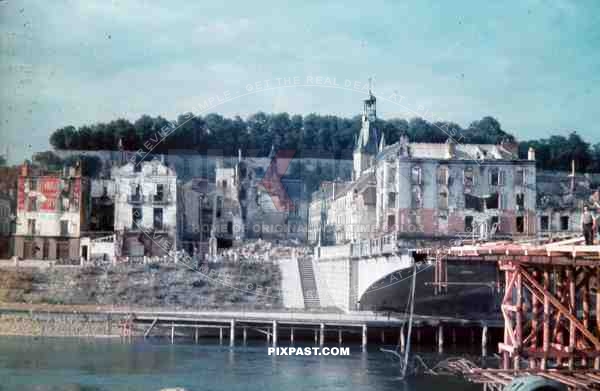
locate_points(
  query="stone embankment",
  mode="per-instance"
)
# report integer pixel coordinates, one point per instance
(214, 286)
(47, 324)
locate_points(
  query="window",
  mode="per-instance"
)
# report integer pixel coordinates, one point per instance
(468, 177)
(472, 202)
(137, 166)
(544, 223)
(520, 224)
(391, 175)
(519, 177)
(136, 217)
(442, 175)
(136, 193)
(64, 228)
(493, 201)
(219, 206)
(417, 197)
(391, 222)
(31, 227)
(415, 175)
(104, 191)
(224, 184)
(494, 177)
(160, 192)
(443, 200)
(154, 169)
(32, 204)
(468, 223)
(229, 227)
(45, 249)
(391, 200)
(158, 218)
(32, 184)
(520, 201)
(564, 223)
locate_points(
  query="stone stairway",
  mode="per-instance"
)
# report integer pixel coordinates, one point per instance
(309, 285)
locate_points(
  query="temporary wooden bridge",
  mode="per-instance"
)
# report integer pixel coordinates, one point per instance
(550, 306)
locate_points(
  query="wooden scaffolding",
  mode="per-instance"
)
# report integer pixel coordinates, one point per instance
(550, 307)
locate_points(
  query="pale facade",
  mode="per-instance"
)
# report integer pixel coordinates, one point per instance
(449, 189)
(145, 201)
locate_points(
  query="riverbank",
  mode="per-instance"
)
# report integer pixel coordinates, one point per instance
(235, 327)
(50, 321)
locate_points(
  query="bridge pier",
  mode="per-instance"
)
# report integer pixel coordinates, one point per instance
(221, 335)
(322, 334)
(364, 337)
(292, 335)
(402, 339)
(274, 333)
(245, 334)
(484, 333)
(339, 336)
(440, 338)
(232, 333)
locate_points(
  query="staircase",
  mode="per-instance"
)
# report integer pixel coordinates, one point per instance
(309, 285)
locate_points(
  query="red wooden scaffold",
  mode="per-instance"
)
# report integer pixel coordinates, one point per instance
(550, 306)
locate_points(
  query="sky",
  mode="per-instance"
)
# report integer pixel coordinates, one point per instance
(532, 64)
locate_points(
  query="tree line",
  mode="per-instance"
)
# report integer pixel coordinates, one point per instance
(310, 135)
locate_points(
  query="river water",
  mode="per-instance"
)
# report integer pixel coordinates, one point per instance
(109, 364)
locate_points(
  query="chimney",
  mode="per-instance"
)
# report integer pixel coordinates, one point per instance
(531, 154)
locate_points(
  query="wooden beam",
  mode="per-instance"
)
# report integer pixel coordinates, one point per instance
(561, 308)
(151, 327)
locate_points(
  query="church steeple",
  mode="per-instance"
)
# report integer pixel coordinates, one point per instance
(368, 140)
(370, 106)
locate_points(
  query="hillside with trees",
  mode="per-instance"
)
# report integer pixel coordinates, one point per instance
(310, 135)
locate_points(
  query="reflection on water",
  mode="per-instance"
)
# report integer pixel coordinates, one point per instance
(92, 365)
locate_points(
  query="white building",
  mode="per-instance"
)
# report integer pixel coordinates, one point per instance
(145, 208)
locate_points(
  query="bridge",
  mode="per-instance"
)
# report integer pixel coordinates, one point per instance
(373, 274)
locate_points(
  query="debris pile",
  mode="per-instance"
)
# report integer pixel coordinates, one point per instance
(259, 251)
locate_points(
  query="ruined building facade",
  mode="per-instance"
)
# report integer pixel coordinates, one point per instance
(428, 190)
(52, 212)
(145, 208)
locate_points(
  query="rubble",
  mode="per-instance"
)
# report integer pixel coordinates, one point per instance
(260, 251)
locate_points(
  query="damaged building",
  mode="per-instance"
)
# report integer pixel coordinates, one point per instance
(195, 207)
(430, 190)
(145, 209)
(561, 197)
(52, 212)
